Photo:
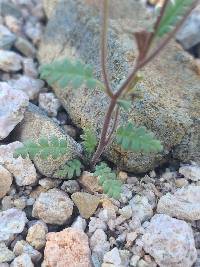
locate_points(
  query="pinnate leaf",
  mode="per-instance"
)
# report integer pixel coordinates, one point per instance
(89, 140)
(71, 169)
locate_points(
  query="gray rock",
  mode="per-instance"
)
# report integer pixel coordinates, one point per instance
(53, 207)
(170, 242)
(6, 255)
(190, 172)
(23, 260)
(12, 222)
(70, 186)
(35, 119)
(113, 257)
(7, 38)
(25, 47)
(8, 8)
(188, 36)
(141, 208)
(50, 103)
(170, 107)
(183, 204)
(12, 108)
(29, 68)
(79, 224)
(10, 61)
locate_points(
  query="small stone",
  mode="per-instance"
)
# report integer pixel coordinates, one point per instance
(170, 242)
(112, 257)
(134, 260)
(30, 86)
(86, 203)
(6, 255)
(126, 212)
(12, 108)
(33, 30)
(53, 207)
(25, 47)
(191, 172)
(183, 204)
(14, 24)
(36, 236)
(7, 203)
(5, 181)
(181, 182)
(90, 182)
(49, 183)
(143, 263)
(123, 176)
(68, 248)
(20, 203)
(96, 223)
(22, 247)
(10, 61)
(12, 222)
(99, 243)
(130, 238)
(29, 68)
(23, 260)
(141, 208)
(70, 186)
(7, 38)
(23, 170)
(50, 103)
(79, 224)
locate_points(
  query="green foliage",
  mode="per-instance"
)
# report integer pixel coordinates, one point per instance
(125, 104)
(108, 180)
(174, 11)
(66, 73)
(137, 139)
(71, 169)
(89, 140)
(43, 148)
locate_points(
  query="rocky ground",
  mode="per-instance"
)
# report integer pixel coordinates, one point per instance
(47, 221)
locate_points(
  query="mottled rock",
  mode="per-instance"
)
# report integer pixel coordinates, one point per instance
(191, 172)
(171, 114)
(99, 244)
(188, 36)
(170, 242)
(36, 236)
(12, 108)
(96, 223)
(33, 30)
(183, 204)
(50, 103)
(23, 170)
(79, 224)
(29, 68)
(23, 260)
(90, 182)
(53, 207)
(22, 247)
(6, 38)
(48, 183)
(141, 208)
(70, 186)
(5, 181)
(28, 85)
(10, 61)
(12, 222)
(86, 203)
(67, 248)
(6, 255)
(35, 119)
(25, 47)
(113, 257)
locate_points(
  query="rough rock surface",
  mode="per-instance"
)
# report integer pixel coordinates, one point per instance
(191, 172)
(170, 242)
(67, 248)
(12, 222)
(10, 61)
(12, 107)
(170, 107)
(36, 236)
(23, 170)
(53, 207)
(6, 255)
(23, 260)
(35, 119)
(183, 204)
(141, 208)
(5, 181)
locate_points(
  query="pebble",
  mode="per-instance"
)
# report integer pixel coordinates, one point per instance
(96, 223)
(134, 260)
(7, 38)
(67, 248)
(36, 235)
(191, 172)
(5, 181)
(33, 30)
(6, 255)
(90, 182)
(50, 103)
(79, 224)
(183, 204)
(10, 61)
(29, 68)
(141, 208)
(23, 170)
(53, 207)
(14, 24)
(49, 183)
(12, 107)
(23, 260)
(70, 186)
(170, 242)
(99, 244)
(12, 221)
(25, 47)
(86, 203)
(113, 257)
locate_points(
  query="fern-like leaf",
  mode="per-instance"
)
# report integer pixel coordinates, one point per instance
(137, 139)
(108, 180)
(89, 140)
(174, 11)
(71, 169)
(66, 73)
(43, 148)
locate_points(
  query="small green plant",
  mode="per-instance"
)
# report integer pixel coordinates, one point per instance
(74, 74)
(70, 170)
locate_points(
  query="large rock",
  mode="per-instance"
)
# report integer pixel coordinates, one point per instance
(170, 107)
(5, 181)
(170, 242)
(35, 118)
